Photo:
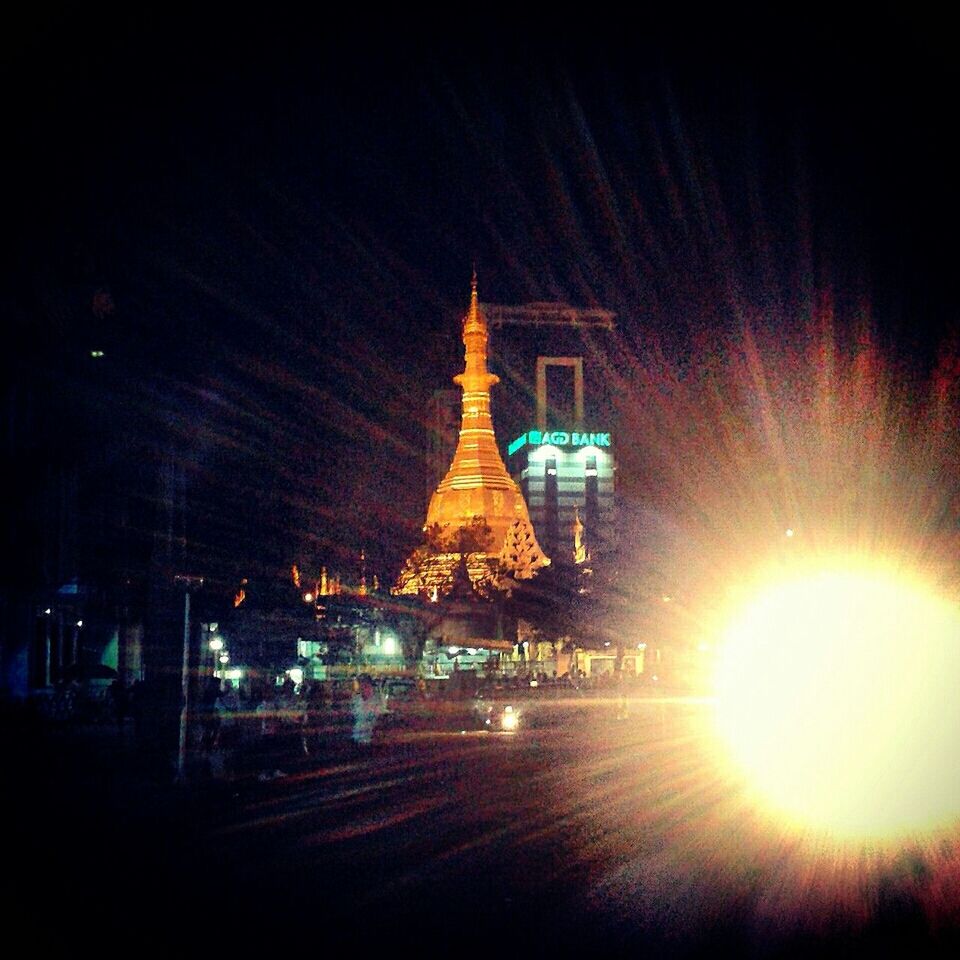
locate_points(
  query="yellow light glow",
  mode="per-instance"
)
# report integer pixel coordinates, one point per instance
(836, 695)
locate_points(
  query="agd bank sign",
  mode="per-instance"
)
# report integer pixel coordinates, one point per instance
(558, 438)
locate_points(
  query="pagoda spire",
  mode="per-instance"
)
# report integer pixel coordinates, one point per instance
(477, 485)
(476, 380)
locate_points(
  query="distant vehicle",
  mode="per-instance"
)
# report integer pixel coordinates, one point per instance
(503, 708)
(400, 689)
(407, 706)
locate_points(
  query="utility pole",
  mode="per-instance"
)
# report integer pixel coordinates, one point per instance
(189, 584)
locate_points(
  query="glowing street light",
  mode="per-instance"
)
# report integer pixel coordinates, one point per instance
(814, 706)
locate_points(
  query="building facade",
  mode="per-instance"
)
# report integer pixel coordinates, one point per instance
(567, 479)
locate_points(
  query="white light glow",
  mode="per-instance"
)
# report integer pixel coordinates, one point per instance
(835, 693)
(542, 453)
(584, 452)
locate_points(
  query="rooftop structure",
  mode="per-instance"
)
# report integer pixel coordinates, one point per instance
(547, 314)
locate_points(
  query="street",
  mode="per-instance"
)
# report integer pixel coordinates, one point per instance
(587, 832)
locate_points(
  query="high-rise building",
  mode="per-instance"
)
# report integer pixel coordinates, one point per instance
(562, 428)
(565, 468)
(567, 478)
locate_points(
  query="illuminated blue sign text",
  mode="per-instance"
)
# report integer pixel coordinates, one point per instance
(558, 438)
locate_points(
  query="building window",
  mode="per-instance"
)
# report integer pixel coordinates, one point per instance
(551, 503)
(591, 500)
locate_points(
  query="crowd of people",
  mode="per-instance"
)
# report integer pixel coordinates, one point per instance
(267, 731)
(270, 731)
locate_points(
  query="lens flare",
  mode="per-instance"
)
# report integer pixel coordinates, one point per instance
(836, 694)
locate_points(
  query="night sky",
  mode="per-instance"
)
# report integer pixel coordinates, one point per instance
(269, 225)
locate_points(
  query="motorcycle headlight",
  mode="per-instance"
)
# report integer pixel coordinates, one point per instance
(509, 719)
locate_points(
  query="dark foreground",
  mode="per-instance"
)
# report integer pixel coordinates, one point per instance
(588, 834)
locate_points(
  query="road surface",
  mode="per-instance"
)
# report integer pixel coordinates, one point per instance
(589, 833)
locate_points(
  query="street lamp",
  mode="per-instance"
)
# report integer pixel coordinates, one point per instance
(188, 584)
(213, 647)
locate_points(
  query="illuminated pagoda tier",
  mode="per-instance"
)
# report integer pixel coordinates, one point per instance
(476, 490)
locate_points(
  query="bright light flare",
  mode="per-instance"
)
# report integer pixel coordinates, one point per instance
(836, 693)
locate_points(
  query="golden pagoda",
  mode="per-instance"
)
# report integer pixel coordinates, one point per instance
(476, 491)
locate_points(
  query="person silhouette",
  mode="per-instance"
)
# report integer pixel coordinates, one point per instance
(367, 706)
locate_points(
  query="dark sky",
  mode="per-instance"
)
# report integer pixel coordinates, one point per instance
(268, 224)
